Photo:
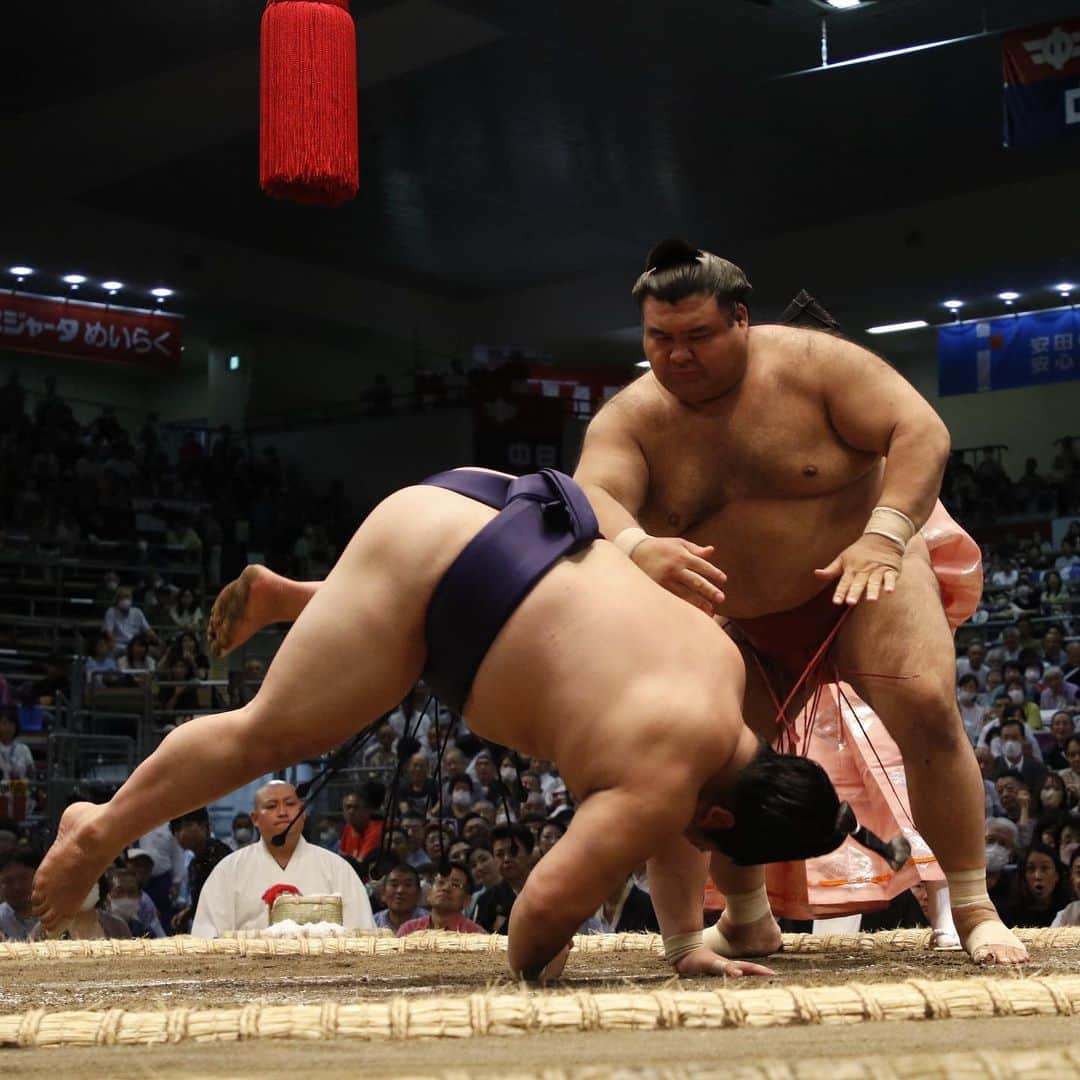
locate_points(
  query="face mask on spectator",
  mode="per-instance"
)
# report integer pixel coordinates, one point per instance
(1031, 675)
(1016, 697)
(461, 798)
(997, 857)
(124, 907)
(244, 836)
(1012, 749)
(327, 838)
(124, 605)
(508, 774)
(967, 697)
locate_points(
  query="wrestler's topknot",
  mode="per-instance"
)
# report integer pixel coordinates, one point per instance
(675, 270)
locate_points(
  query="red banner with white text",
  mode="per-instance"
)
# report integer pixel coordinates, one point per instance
(146, 339)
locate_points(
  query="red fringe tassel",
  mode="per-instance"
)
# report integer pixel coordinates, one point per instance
(309, 142)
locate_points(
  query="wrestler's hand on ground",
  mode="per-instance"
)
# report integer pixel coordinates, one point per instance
(871, 565)
(704, 961)
(683, 568)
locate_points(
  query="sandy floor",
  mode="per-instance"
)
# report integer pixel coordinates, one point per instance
(152, 984)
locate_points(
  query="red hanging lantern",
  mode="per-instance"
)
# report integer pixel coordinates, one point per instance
(309, 143)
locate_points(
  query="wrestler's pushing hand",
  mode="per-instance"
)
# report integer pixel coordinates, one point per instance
(683, 568)
(869, 567)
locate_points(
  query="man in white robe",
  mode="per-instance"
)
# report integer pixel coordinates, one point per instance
(232, 898)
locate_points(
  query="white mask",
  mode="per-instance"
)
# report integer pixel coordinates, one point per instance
(1012, 749)
(508, 774)
(243, 836)
(1016, 697)
(1032, 675)
(997, 857)
(124, 907)
(461, 798)
(967, 697)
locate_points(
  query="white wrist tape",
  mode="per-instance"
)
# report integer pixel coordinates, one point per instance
(628, 540)
(893, 524)
(747, 907)
(679, 945)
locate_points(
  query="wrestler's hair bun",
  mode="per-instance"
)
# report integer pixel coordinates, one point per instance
(671, 252)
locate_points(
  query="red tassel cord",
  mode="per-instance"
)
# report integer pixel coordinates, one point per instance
(309, 140)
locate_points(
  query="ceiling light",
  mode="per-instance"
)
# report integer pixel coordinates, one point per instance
(954, 305)
(643, 363)
(161, 294)
(1008, 297)
(896, 327)
(1064, 289)
(74, 280)
(113, 286)
(21, 271)
(843, 4)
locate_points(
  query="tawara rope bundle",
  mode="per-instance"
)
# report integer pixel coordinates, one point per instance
(502, 1014)
(380, 943)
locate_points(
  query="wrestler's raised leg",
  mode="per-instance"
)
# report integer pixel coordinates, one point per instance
(257, 598)
(326, 681)
(906, 641)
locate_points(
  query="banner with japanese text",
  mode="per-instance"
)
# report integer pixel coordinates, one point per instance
(1042, 83)
(58, 327)
(1002, 354)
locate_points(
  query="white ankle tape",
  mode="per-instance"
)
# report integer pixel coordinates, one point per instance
(679, 945)
(967, 887)
(747, 907)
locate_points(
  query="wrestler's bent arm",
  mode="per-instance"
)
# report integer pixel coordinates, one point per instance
(614, 475)
(874, 409)
(574, 878)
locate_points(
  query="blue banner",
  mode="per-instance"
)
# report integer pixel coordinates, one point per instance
(1002, 354)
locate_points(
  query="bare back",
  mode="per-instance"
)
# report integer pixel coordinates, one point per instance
(598, 669)
(761, 475)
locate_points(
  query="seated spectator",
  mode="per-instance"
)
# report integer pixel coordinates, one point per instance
(1053, 648)
(418, 791)
(1055, 598)
(1054, 795)
(512, 847)
(181, 694)
(186, 614)
(328, 832)
(485, 810)
(16, 760)
(16, 882)
(1070, 914)
(482, 769)
(401, 895)
(973, 662)
(1057, 693)
(167, 875)
(412, 825)
(128, 903)
(1041, 888)
(485, 875)
(363, 830)
(1062, 728)
(381, 754)
(232, 896)
(1069, 841)
(243, 832)
(185, 646)
(461, 801)
(137, 664)
(192, 832)
(1015, 798)
(123, 621)
(971, 712)
(1072, 663)
(459, 852)
(1002, 847)
(550, 834)
(991, 732)
(628, 910)
(1016, 759)
(437, 840)
(141, 864)
(93, 921)
(1071, 774)
(475, 830)
(1016, 691)
(994, 682)
(447, 898)
(1008, 648)
(101, 667)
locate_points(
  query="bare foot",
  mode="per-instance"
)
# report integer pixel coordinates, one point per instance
(241, 609)
(758, 938)
(70, 868)
(985, 937)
